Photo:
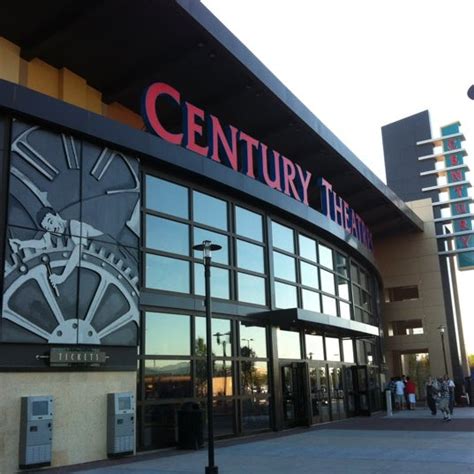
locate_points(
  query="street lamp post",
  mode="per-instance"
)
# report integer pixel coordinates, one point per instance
(441, 332)
(207, 247)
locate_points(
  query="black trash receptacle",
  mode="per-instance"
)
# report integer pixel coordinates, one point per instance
(190, 426)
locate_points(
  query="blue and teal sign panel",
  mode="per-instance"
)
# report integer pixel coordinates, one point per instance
(453, 157)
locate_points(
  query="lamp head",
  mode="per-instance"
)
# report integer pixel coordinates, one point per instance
(207, 247)
(441, 329)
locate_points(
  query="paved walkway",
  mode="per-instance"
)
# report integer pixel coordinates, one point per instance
(408, 442)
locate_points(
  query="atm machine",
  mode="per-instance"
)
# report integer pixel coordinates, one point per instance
(120, 424)
(36, 431)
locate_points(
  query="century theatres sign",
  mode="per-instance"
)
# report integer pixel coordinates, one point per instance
(204, 134)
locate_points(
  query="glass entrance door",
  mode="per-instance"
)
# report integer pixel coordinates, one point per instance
(319, 393)
(295, 398)
(337, 392)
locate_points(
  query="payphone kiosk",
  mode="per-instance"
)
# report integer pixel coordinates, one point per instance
(36, 431)
(120, 423)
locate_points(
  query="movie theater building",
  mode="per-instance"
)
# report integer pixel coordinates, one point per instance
(131, 131)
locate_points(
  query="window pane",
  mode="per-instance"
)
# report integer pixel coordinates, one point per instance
(326, 256)
(221, 340)
(248, 224)
(285, 296)
(255, 414)
(307, 248)
(222, 385)
(219, 281)
(364, 280)
(288, 344)
(254, 377)
(354, 273)
(345, 310)
(170, 274)
(401, 293)
(333, 350)
(167, 379)
(283, 237)
(309, 275)
(209, 210)
(167, 236)
(342, 287)
(250, 256)
(314, 347)
(284, 267)
(329, 306)
(159, 331)
(170, 198)
(348, 350)
(251, 289)
(341, 265)
(219, 256)
(222, 334)
(327, 282)
(311, 301)
(365, 300)
(253, 341)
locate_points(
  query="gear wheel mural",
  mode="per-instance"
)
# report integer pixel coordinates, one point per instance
(107, 307)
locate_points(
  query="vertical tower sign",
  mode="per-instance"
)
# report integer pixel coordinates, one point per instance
(452, 168)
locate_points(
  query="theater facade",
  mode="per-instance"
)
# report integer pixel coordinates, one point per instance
(129, 132)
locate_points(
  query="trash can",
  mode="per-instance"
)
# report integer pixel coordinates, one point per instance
(190, 426)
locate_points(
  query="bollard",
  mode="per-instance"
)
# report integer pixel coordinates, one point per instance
(388, 398)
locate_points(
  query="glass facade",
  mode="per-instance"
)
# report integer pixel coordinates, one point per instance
(264, 264)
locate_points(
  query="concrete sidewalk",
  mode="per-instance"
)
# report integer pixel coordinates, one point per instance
(408, 442)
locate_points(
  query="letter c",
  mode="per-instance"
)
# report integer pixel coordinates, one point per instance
(149, 110)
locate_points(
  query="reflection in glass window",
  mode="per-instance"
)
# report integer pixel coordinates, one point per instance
(354, 273)
(326, 256)
(285, 296)
(345, 310)
(219, 256)
(329, 306)
(348, 350)
(255, 414)
(341, 265)
(222, 385)
(307, 248)
(333, 351)
(167, 379)
(283, 237)
(311, 301)
(159, 331)
(170, 274)
(222, 337)
(166, 235)
(309, 275)
(251, 289)
(342, 287)
(327, 282)
(314, 347)
(250, 256)
(284, 267)
(209, 210)
(248, 224)
(254, 377)
(253, 341)
(163, 196)
(219, 281)
(288, 344)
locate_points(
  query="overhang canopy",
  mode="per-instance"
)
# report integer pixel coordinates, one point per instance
(302, 318)
(121, 46)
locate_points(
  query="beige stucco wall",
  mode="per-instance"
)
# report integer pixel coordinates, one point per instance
(80, 413)
(412, 259)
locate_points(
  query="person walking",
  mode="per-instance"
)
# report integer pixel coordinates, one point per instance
(451, 387)
(444, 399)
(410, 389)
(432, 391)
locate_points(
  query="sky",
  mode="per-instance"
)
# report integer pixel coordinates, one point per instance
(359, 65)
